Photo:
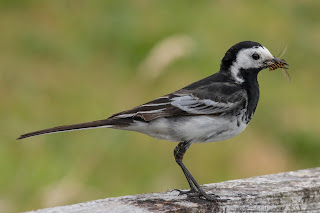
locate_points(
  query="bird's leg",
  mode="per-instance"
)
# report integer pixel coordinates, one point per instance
(178, 152)
(195, 190)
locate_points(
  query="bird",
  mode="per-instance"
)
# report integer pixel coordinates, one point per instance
(212, 109)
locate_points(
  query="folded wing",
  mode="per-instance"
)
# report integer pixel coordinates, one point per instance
(214, 99)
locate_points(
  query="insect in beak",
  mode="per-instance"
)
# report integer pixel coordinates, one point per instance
(276, 63)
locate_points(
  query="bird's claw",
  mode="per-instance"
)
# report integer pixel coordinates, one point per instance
(210, 197)
(202, 195)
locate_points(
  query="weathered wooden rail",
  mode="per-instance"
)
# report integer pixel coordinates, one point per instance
(297, 191)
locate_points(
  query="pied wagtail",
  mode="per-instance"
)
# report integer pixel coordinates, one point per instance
(213, 109)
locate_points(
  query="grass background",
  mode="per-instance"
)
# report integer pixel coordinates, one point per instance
(64, 62)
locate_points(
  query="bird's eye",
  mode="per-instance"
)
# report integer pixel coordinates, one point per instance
(255, 56)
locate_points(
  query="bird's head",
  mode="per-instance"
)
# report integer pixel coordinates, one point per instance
(246, 59)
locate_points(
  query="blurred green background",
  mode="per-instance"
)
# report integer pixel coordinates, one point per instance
(64, 62)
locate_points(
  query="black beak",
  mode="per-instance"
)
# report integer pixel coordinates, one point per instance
(276, 60)
(279, 61)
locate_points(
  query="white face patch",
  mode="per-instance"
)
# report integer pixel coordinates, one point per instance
(245, 61)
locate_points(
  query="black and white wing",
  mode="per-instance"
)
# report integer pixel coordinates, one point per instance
(214, 99)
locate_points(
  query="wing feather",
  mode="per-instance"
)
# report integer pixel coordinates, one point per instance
(214, 99)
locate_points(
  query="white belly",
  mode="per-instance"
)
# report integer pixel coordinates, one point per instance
(196, 129)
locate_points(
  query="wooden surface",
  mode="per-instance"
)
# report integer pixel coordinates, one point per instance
(297, 191)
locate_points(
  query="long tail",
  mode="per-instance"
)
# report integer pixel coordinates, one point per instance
(87, 125)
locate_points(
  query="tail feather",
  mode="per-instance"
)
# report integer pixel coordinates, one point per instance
(87, 125)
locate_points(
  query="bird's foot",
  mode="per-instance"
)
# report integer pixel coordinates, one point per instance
(209, 197)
